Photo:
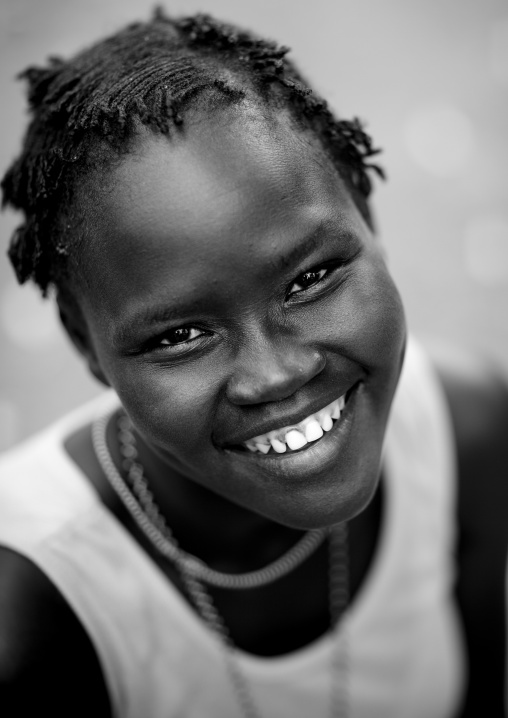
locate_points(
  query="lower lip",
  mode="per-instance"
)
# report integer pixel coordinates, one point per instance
(313, 456)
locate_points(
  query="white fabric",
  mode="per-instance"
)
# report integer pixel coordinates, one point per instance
(405, 657)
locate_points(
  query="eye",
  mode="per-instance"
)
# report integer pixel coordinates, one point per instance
(181, 342)
(308, 279)
(179, 336)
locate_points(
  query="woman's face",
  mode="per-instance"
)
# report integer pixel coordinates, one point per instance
(234, 291)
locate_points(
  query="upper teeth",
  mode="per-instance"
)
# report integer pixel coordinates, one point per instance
(310, 429)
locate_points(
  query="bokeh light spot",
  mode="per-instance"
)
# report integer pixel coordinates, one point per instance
(486, 249)
(440, 139)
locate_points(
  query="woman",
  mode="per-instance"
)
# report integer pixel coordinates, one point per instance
(261, 519)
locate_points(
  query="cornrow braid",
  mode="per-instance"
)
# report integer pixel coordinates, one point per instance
(86, 109)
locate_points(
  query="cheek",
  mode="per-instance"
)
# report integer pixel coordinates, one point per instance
(173, 409)
(383, 323)
(367, 320)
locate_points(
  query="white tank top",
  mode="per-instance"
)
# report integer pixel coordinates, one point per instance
(404, 651)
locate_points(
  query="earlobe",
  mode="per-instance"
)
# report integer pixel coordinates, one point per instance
(76, 328)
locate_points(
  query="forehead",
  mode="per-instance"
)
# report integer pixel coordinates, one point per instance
(210, 165)
(224, 189)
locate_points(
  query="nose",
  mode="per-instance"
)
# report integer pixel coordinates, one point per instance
(271, 369)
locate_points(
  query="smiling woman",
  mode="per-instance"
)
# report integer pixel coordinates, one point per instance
(226, 263)
(203, 220)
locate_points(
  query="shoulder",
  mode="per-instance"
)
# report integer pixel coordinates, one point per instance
(45, 653)
(467, 378)
(477, 395)
(48, 442)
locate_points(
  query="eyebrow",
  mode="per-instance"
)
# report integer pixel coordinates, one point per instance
(150, 317)
(312, 241)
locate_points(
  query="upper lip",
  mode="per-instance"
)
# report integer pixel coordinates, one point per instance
(274, 423)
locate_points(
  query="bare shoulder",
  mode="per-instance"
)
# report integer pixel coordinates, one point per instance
(45, 654)
(477, 393)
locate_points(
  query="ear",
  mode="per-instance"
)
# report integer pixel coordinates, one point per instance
(75, 325)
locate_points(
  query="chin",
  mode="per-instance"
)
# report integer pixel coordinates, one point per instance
(327, 482)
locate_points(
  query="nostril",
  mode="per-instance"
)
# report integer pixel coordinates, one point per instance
(273, 376)
(266, 390)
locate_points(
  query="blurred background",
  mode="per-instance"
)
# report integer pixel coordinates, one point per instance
(430, 78)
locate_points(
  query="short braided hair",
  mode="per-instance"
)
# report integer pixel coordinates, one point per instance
(150, 74)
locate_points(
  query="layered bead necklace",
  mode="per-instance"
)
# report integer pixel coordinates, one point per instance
(139, 501)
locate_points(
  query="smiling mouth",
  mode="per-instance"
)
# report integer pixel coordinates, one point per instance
(297, 437)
